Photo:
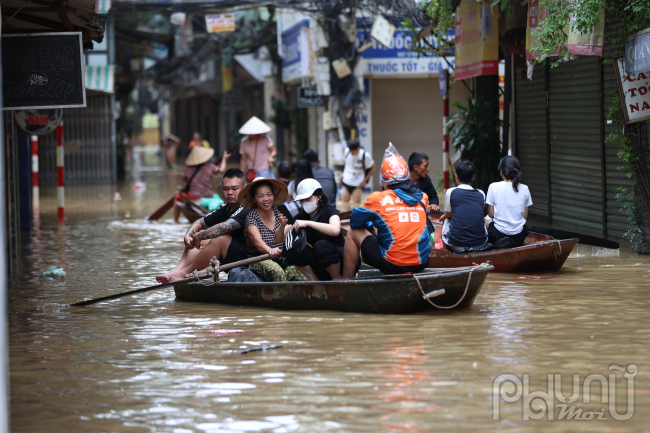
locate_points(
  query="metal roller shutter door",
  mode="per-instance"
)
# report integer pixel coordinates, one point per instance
(575, 128)
(530, 130)
(408, 113)
(617, 222)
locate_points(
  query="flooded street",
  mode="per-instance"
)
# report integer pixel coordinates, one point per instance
(152, 363)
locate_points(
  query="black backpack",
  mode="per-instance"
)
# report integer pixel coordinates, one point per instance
(294, 244)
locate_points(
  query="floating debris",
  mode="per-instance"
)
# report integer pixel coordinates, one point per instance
(262, 348)
(53, 274)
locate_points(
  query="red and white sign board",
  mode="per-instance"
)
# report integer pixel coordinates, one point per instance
(635, 92)
(220, 23)
(38, 121)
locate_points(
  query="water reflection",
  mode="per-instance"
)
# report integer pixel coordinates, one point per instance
(151, 363)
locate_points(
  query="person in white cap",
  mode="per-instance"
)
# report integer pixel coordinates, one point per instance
(257, 150)
(198, 175)
(322, 258)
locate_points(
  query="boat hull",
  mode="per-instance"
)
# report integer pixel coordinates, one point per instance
(191, 215)
(537, 256)
(370, 293)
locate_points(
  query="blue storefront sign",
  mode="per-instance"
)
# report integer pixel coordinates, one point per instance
(637, 53)
(397, 59)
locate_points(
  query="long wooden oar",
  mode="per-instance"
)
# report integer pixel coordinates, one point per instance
(202, 275)
(162, 210)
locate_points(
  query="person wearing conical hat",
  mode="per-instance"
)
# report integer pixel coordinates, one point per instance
(197, 140)
(257, 150)
(262, 198)
(198, 175)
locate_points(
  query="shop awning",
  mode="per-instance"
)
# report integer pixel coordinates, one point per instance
(100, 78)
(36, 16)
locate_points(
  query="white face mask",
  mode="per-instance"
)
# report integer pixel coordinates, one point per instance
(310, 206)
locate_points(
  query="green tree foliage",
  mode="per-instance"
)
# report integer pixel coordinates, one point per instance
(442, 15)
(582, 16)
(475, 130)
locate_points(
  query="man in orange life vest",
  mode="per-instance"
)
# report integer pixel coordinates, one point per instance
(398, 217)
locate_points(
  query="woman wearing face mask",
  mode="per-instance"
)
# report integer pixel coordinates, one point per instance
(322, 261)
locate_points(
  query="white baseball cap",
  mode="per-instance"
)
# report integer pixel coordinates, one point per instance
(306, 189)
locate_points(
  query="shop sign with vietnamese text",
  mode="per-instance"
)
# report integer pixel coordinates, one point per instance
(308, 97)
(635, 92)
(396, 58)
(637, 53)
(477, 39)
(220, 23)
(43, 70)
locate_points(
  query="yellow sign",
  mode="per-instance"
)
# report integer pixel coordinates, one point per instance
(477, 39)
(220, 23)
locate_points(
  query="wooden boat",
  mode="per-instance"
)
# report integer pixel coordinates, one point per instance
(191, 215)
(540, 253)
(372, 292)
(193, 211)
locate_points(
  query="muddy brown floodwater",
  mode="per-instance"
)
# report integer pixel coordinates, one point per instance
(152, 363)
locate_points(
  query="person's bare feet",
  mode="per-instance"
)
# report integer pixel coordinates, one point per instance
(175, 275)
(162, 278)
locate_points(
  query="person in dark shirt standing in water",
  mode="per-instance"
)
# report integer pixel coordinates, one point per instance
(323, 175)
(419, 176)
(220, 233)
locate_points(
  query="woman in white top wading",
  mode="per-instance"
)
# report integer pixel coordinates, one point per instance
(508, 203)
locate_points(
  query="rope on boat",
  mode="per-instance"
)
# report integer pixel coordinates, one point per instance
(214, 269)
(555, 252)
(469, 278)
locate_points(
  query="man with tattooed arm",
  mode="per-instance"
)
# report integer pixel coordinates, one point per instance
(220, 233)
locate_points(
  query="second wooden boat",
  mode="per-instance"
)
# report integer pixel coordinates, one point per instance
(372, 292)
(540, 253)
(191, 215)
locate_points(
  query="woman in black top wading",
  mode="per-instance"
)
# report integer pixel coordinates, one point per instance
(323, 260)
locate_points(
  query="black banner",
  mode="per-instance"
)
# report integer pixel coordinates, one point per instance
(43, 70)
(309, 97)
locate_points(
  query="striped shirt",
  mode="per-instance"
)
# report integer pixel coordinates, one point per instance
(268, 236)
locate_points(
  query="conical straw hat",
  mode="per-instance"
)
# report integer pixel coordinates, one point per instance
(254, 126)
(278, 188)
(199, 155)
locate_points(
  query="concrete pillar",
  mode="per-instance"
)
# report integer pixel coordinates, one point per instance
(4, 271)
